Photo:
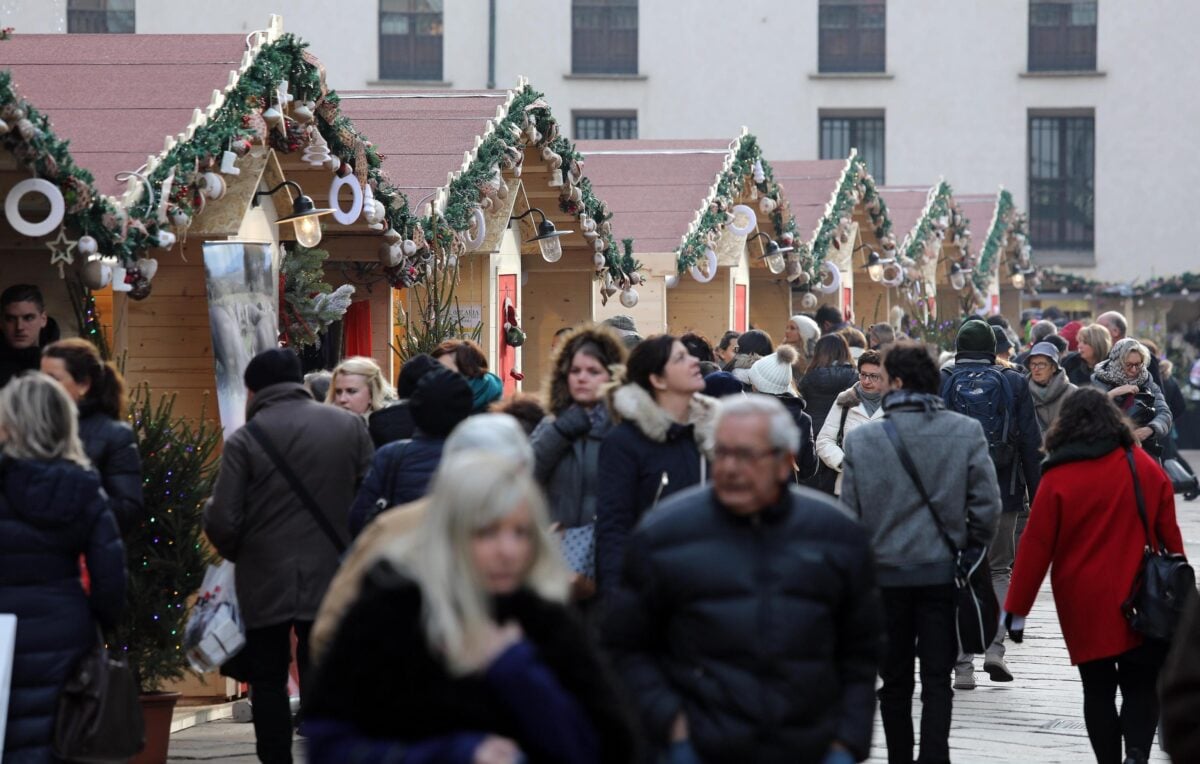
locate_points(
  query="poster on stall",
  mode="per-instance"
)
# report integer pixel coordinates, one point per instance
(243, 313)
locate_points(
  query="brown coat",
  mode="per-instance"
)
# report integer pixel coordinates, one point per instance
(347, 583)
(254, 519)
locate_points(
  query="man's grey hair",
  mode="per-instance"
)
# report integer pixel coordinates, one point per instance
(496, 433)
(784, 433)
(1117, 320)
(1042, 330)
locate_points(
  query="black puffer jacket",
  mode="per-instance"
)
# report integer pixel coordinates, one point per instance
(806, 449)
(763, 630)
(112, 448)
(821, 387)
(645, 458)
(400, 472)
(50, 513)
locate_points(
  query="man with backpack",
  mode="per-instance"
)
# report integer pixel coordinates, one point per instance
(998, 398)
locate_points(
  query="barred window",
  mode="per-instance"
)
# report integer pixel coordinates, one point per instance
(100, 16)
(1062, 172)
(840, 134)
(605, 126)
(1062, 35)
(852, 35)
(604, 36)
(410, 39)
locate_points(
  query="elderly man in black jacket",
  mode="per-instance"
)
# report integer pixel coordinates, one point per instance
(747, 624)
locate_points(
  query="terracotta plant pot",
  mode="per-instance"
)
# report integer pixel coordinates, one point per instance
(158, 708)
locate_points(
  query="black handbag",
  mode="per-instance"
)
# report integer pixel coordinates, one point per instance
(1163, 584)
(977, 611)
(99, 717)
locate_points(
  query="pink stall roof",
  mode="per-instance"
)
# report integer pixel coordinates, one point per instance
(115, 97)
(422, 135)
(978, 209)
(653, 187)
(905, 204)
(808, 186)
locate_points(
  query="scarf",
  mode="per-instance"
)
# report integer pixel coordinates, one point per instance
(870, 401)
(1112, 371)
(1078, 451)
(1046, 397)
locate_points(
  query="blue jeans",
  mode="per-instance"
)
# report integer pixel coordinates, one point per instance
(680, 752)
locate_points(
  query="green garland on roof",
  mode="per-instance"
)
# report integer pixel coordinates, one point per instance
(855, 186)
(1008, 232)
(937, 217)
(733, 184)
(35, 146)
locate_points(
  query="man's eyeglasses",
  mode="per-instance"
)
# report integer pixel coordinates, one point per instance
(741, 455)
(870, 377)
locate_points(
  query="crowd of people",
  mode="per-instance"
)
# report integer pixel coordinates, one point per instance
(681, 552)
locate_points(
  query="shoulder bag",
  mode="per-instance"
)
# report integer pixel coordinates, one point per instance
(1163, 584)
(297, 487)
(978, 611)
(99, 717)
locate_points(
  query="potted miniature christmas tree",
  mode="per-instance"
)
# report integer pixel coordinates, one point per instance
(166, 554)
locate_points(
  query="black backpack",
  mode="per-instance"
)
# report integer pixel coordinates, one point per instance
(985, 394)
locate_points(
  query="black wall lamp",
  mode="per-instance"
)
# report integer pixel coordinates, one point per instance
(547, 236)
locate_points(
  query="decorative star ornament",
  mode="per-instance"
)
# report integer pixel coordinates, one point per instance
(61, 251)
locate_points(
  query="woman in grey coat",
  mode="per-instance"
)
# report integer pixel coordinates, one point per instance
(566, 443)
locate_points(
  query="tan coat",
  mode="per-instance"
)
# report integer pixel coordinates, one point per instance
(347, 583)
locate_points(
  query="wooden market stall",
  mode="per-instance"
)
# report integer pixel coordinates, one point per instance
(935, 235)
(1001, 270)
(695, 210)
(471, 162)
(838, 201)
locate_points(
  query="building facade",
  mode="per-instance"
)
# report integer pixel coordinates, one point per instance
(1081, 108)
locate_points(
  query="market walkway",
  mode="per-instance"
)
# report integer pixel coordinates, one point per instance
(1037, 718)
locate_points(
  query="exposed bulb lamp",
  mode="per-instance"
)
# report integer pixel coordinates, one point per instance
(547, 236)
(305, 215)
(773, 254)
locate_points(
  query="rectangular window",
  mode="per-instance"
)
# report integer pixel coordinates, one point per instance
(1062, 35)
(852, 35)
(839, 134)
(604, 36)
(1062, 172)
(100, 16)
(603, 127)
(410, 39)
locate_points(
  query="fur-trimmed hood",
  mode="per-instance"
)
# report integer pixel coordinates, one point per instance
(848, 397)
(559, 397)
(631, 402)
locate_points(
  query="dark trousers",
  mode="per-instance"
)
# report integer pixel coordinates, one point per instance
(920, 626)
(268, 655)
(1136, 673)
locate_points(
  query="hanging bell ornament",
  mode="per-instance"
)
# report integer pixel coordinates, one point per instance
(96, 274)
(86, 245)
(629, 297)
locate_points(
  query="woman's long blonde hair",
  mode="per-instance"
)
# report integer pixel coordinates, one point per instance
(471, 490)
(381, 391)
(1098, 338)
(38, 420)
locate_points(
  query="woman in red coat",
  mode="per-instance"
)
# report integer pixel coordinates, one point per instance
(1085, 524)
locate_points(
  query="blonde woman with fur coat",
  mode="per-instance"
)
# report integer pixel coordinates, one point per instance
(655, 450)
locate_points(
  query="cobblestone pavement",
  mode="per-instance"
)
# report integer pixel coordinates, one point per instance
(1038, 718)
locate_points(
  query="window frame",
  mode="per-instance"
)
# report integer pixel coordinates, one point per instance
(857, 121)
(96, 14)
(855, 35)
(609, 119)
(1050, 51)
(608, 36)
(1063, 185)
(414, 70)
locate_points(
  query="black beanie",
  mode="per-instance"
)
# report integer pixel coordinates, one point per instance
(1002, 341)
(270, 367)
(412, 371)
(976, 336)
(440, 401)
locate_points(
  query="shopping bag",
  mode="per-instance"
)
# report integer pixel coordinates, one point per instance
(214, 631)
